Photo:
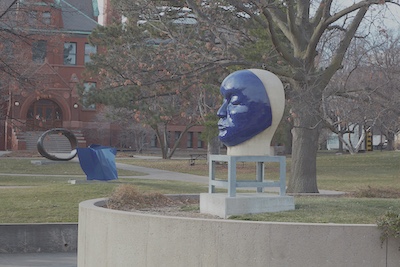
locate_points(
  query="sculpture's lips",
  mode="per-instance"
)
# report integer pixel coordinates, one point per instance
(221, 127)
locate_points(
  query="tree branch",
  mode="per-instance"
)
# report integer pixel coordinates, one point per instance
(8, 9)
(344, 44)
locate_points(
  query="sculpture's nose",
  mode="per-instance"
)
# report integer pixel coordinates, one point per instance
(222, 113)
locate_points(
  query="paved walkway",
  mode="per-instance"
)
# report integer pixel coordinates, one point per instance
(4, 153)
(38, 260)
(156, 174)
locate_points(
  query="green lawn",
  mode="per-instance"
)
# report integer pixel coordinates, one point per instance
(351, 172)
(330, 210)
(51, 198)
(335, 172)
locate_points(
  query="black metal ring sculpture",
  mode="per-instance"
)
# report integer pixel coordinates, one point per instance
(71, 138)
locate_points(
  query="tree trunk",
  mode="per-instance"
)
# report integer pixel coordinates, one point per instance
(288, 140)
(340, 138)
(390, 141)
(178, 141)
(214, 145)
(161, 137)
(304, 156)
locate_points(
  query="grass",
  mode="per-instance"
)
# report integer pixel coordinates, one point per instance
(352, 172)
(24, 166)
(48, 203)
(46, 195)
(330, 210)
(335, 172)
(51, 199)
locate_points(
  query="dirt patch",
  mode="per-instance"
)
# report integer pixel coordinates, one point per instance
(22, 154)
(190, 211)
(371, 192)
(15, 186)
(128, 198)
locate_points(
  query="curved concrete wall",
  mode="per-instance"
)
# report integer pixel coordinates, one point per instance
(117, 238)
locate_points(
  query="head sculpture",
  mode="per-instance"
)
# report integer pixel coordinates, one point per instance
(251, 111)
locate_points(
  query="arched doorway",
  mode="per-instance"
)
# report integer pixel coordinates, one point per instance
(43, 114)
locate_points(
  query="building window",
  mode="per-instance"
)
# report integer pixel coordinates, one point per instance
(46, 17)
(89, 50)
(200, 143)
(6, 48)
(69, 53)
(88, 87)
(39, 51)
(190, 140)
(32, 17)
(153, 141)
(177, 134)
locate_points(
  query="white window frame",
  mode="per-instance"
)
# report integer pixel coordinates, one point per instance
(89, 50)
(70, 53)
(88, 86)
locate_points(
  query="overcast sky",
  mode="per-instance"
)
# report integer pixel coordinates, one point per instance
(389, 14)
(100, 4)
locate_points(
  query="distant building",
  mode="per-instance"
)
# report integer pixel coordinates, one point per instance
(55, 58)
(56, 53)
(376, 142)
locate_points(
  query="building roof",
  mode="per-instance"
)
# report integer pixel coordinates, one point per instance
(79, 15)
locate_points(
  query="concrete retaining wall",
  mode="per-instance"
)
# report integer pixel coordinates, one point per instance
(117, 238)
(26, 238)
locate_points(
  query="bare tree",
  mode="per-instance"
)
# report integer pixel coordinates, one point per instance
(302, 52)
(133, 135)
(365, 92)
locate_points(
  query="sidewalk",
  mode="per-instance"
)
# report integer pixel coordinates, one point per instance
(156, 174)
(38, 260)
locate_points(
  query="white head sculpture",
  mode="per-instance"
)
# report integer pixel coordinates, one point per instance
(254, 102)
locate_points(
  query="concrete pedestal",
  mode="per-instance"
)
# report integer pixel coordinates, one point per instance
(224, 206)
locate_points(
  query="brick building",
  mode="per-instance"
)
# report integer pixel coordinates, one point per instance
(54, 58)
(55, 52)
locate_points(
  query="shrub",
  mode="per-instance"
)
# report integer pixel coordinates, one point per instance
(374, 192)
(127, 197)
(389, 224)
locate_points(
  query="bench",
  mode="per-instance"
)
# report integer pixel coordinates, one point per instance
(194, 157)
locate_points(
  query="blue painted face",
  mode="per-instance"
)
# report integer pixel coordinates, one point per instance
(246, 109)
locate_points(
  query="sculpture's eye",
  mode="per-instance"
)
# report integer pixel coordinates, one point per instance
(235, 100)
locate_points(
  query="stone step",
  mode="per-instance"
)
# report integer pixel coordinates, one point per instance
(51, 143)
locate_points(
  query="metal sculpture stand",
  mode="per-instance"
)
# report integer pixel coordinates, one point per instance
(232, 183)
(233, 203)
